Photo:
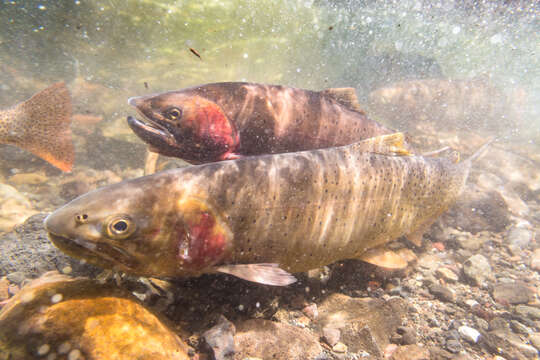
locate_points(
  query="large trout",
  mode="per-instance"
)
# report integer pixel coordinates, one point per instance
(261, 218)
(223, 121)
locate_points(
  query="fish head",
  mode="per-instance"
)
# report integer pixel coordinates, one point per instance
(134, 227)
(187, 126)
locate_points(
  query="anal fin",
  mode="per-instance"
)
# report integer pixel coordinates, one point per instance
(384, 258)
(150, 163)
(267, 274)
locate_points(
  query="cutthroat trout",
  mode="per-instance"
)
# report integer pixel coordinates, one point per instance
(448, 104)
(261, 218)
(224, 121)
(41, 125)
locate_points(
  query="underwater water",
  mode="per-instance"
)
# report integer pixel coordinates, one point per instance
(446, 73)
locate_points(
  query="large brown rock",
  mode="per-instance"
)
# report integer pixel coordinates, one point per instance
(366, 324)
(267, 339)
(82, 319)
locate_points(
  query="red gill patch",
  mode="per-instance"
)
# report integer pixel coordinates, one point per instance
(199, 244)
(214, 125)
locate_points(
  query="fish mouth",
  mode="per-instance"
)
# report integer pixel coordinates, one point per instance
(100, 254)
(149, 128)
(156, 135)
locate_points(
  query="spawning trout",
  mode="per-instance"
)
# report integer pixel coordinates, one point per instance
(224, 121)
(262, 217)
(41, 125)
(448, 104)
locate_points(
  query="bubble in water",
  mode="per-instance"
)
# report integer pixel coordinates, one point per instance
(42, 7)
(496, 39)
(241, 307)
(245, 55)
(442, 42)
(456, 30)
(398, 45)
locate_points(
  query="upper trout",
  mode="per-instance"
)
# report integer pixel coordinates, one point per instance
(41, 125)
(260, 218)
(223, 121)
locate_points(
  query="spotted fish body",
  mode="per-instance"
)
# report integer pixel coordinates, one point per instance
(298, 210)
(41, 125)
(222, 121)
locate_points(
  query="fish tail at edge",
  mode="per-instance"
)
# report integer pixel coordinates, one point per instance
(49, 114)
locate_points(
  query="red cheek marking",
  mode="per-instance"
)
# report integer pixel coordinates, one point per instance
(214, 125)
(200, 246)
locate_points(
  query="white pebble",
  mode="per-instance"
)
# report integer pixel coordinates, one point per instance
(471, 302)
(75, 354)
(241, 307)
(56, 298)
(469, 334)
(64, 347)
(43, 349)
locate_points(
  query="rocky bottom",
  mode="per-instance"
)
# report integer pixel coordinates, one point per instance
(470, 292)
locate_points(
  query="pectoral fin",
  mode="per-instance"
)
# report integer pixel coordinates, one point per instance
(268, 274)
(391, 144)
(232, 156)
(384, 258)
(416, 238)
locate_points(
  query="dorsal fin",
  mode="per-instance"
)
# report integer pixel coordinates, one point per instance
(391, 144)
(346, 97)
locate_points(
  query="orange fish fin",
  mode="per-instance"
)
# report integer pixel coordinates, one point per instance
(416, 236)
(346, 97)
(46, 123)
(267, 274)
(384, 258)
(391, 144)
(232, 156)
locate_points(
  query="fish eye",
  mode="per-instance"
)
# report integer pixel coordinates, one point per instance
(173, 113)
(120, 227)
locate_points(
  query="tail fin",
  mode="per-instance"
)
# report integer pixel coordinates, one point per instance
(47, 120)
